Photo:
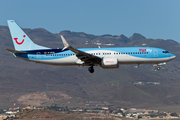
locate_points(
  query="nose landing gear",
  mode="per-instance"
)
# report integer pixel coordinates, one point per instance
(158, 68)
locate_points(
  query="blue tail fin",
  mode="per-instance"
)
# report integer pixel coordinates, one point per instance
(20, 40)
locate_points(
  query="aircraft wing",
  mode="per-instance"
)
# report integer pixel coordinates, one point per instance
(80, 54)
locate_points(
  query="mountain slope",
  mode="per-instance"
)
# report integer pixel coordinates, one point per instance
(19, 77)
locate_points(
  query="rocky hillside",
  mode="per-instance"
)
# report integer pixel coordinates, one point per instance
(21, 78)
(43, 98)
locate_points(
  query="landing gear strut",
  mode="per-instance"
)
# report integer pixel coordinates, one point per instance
(91, 69)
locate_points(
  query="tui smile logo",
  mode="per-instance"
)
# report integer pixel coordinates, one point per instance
(19, 43)
(65, 43)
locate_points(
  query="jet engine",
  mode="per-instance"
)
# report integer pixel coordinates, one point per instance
(108, 63)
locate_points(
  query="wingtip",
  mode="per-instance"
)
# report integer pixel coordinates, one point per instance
(64, 41)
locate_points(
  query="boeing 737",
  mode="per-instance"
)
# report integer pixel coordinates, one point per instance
(107, 58)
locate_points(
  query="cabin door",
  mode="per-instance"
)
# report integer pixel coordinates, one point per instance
(155, 53)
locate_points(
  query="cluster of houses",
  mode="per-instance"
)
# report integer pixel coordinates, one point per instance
(110, 110)
(129, 112)
(147, 83)
(11, 112)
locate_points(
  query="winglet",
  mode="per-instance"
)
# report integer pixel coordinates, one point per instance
(66, 45)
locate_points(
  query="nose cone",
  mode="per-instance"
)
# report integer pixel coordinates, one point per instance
(172, 57)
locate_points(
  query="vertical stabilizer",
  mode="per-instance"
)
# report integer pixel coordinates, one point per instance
(20, 40)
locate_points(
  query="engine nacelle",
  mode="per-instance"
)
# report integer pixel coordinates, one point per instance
(108, 63)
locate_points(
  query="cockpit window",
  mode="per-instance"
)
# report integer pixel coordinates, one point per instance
(165, 52)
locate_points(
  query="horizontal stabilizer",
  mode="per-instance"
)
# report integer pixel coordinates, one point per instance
(15, 51)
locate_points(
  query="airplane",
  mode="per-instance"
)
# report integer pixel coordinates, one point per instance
(107, 58)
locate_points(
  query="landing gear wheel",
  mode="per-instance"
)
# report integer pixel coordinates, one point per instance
(158, 68)
(91, 69)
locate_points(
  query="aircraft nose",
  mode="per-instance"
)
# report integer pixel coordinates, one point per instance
(172, 56)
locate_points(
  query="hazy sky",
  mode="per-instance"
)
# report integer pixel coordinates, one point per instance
(151, 18)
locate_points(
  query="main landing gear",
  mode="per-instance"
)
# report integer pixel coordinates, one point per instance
(91, 69)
